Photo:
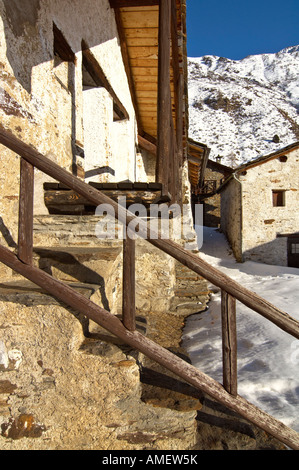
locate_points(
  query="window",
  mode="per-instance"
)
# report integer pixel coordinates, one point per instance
(295, 248)
(278, 198)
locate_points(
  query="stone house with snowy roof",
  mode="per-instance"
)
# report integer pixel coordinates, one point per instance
(259, 208)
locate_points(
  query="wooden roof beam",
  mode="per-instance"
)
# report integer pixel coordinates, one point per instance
(147, 145)
(133, 3)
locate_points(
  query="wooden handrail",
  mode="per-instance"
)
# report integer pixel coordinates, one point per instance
(192, 261)
(125, 330)
(162, 356)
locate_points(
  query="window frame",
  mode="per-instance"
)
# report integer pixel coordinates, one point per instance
(278, 197)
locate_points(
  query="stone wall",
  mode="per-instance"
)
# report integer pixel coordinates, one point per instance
(64, 384)
(82, 394)
(42, 102)
(261, 221)
(231, 216)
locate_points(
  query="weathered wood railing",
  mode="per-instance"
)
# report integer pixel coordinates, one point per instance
(125, 330)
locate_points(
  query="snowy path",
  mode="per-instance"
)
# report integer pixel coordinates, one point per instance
(268, 358)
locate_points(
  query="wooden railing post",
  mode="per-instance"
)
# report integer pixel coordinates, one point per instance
(229, 342)
(25, 234)
(188, 259)
(129, 283)
(231, 291)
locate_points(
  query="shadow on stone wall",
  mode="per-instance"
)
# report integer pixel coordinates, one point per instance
(20, 20)
(274, 252)
(68, 264)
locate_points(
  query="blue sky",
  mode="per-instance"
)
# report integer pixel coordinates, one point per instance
(238, 28)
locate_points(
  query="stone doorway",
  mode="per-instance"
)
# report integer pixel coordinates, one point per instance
(293, 251)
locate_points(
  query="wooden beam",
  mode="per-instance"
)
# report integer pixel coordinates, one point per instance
(229, 342)
(58, 201)
(25, 234)
(162, 356)
(191, 260)
(164, 95)
(133, 3)
(129, 320)
(147, 145)
(133, 19)
(61, 46)
(178, 80)
(125, 56)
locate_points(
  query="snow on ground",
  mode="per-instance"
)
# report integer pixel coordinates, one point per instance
(268, 357)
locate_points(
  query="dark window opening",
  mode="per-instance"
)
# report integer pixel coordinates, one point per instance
(278, 198)
(293, 251)
(283, 158)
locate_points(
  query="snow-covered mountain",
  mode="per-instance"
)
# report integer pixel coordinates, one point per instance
(236, 107)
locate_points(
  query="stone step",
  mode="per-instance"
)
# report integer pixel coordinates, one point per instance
(85, 264)
(72, 230)
(191, 292)
(27, 293)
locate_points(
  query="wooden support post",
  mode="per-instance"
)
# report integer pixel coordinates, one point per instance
(178, 104)
(129, 283)
(164, 96)
(229, 342)
(191, 260)
(25, 235)
(162, 356)
(172, 182)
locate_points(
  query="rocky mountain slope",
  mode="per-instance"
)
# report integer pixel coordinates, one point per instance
(236, 107)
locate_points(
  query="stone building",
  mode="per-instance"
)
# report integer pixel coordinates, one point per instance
(93, 105)
(80, 84)
(259, 208)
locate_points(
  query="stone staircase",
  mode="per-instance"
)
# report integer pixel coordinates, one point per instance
(125, 400)
(136, 415)
(191, 294)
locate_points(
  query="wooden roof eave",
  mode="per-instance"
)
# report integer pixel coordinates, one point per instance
(267, 158)
(142, 72)
(257, 162)
(198, 152)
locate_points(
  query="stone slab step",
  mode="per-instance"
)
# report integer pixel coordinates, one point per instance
(27, 293)
(72, 230)
(69, 253)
